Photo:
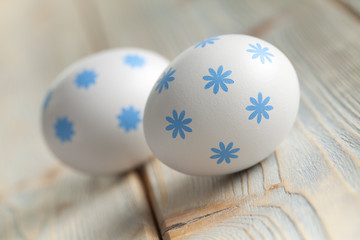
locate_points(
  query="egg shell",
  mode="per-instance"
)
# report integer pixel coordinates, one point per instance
(92, 115)
(202, 116)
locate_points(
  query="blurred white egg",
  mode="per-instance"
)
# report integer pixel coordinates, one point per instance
(222, 106)
(92, 115)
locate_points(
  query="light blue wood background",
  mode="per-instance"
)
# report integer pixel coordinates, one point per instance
(308, 189)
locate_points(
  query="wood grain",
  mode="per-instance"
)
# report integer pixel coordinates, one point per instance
(353, 6)
(309, 188)
(66, 205)
(169, 27)
(39, 198)
(33, 50)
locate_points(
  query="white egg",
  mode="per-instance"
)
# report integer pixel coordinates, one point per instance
(92, 115)
(222, 106)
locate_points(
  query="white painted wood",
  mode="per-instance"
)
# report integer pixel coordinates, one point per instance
(65, 205)
(309, 188)
(39, 198)
(170, 27)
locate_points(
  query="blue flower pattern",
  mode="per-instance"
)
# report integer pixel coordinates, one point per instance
(165, 79)
(218, 79)
(206, 41)
(224, 153)
(134, 60)
(178, 124)
(64, 129)
(261, 52)
(47, 100)
(259, 108)
(85, 79)
(129, 119)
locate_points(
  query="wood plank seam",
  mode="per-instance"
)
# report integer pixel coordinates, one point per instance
(257, 31)
(268, 24)
(346, 8)
(146, 186)
(94, 30)
(279, 186)
(98, 43)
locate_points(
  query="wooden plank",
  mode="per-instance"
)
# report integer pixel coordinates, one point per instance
(36, 43)
(65, 205)
(39, 198)
(169, 27)
(309, 188)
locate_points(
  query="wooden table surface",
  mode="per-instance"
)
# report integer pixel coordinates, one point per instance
(309, 188)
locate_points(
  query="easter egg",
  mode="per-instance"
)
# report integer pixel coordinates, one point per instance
(93, 113)
(222, 106)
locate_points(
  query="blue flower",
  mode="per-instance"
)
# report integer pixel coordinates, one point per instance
(218, 79)
(259, 108)
(207, 41)
(178, 124)
(224, 153)
(85, 78)
(47, 100)
(129, 118)
(164, 80)
(260, 52)
(64, 129)
(134, 60)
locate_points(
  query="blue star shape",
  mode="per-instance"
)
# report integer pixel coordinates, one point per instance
(178, 124)
(206, 41)
(260, 52)
(164, 80)
(134, 60)
(85, 79)
(259, 108)
(224, 153)
(64, 129)
(218, 79)
(129, 119)
(47, 100)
